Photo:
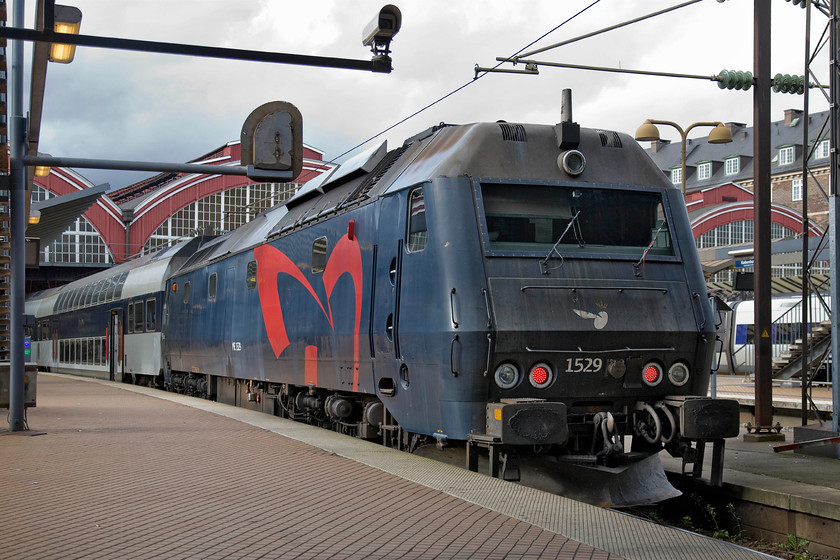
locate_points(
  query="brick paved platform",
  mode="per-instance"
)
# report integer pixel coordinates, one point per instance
(127, 472)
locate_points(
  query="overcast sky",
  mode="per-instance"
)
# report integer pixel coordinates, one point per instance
(122, 105)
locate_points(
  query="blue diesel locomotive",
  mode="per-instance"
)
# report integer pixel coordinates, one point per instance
(514, 286)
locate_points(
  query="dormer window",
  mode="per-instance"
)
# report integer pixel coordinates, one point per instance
(821, 152)
(733, 165)
(704, 171)
(676, 175)
(786, 155)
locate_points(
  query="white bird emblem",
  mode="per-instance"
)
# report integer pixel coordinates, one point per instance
(600, 319)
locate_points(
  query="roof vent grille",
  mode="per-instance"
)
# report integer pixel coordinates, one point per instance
(367, 185)
(513, 132)
(609, 139)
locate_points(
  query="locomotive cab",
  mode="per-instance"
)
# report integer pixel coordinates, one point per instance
(592, 309)
(561, 306)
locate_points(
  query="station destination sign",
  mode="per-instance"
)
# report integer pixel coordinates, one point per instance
(744, 263)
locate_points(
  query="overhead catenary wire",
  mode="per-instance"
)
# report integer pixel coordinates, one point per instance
(463, 86)
(517, 58)
(530, 69)
(610, 28)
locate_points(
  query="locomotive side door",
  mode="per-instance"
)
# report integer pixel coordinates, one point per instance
(385, 303)
(232, 343)
(115, 346)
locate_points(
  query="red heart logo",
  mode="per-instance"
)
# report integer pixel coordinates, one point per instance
(346, 258)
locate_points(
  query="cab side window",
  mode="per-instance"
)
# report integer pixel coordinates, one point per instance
(417, 234)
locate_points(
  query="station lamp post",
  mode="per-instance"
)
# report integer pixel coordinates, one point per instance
(66, 20)
(649, 133)
(55, 37)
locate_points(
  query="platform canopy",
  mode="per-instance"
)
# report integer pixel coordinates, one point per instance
(58, 213)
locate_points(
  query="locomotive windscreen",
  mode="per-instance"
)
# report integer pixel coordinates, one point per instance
(576, 219)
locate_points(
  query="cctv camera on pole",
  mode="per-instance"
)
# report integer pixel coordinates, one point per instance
(378, 34)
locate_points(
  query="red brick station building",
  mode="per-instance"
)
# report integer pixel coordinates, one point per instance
(112, 227)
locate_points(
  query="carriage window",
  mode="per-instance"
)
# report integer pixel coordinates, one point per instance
(130, 322)
(138, 316)
(251, 275)
(575, 220)
(112, 286)
(211, 288)
(417, 233)
(102, 291)
(150, 315)
(319, 255)
(186, 292)
(103, 353)
(120, 284)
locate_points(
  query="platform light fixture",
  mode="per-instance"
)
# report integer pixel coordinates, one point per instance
(68, 20)
(42, 170)
(649, 133)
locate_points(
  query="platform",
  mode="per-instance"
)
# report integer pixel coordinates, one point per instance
(776, 494)
(128, 472)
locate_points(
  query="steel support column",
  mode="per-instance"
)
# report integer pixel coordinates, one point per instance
(805, 376)
(834, 213)
(761, 163)
(17, 211)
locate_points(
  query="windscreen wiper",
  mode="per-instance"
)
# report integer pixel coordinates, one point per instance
(544, 262)
(639, 266)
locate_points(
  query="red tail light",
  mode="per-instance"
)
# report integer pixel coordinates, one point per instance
(652, 374)
(540, 376)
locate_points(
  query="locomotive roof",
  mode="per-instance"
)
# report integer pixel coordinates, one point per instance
(498, 150)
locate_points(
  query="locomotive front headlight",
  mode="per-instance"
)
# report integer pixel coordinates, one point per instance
(572, 162)
(541, 376)
(678, 373)
(652, 374)
(506, 376)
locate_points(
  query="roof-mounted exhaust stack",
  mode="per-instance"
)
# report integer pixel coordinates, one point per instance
(568, 132)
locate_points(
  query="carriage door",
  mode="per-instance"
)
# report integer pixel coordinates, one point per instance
(115, 342)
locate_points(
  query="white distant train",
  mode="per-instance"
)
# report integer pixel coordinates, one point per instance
(737, 331)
